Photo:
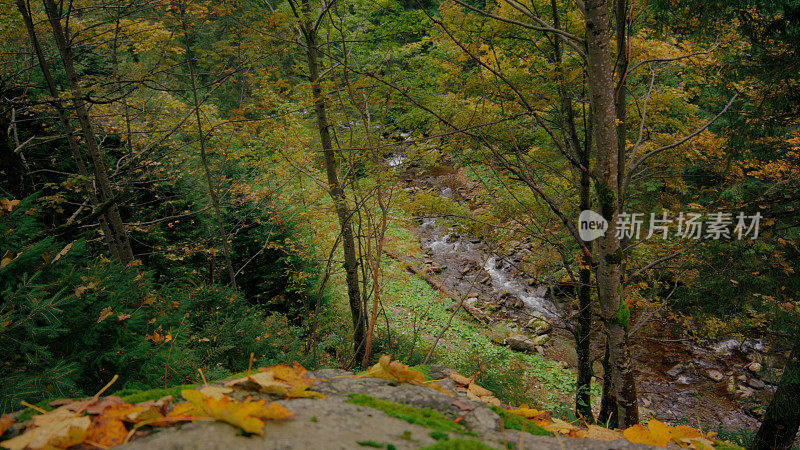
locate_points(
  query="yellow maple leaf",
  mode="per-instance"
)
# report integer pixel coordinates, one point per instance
(395, 371)
(638, 434)
(246, 414)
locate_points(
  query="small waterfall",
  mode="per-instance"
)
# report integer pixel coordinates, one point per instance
(501, 282)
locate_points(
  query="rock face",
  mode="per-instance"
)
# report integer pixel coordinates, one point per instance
(333, 423)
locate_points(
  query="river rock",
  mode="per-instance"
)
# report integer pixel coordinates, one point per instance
(520, 343)
(512, 302)
(755, 383)
(676, 370)
(744, 392)
(538, 325)
(714, 375)
(541, 339)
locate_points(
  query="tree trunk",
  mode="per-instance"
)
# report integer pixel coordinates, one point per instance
(212, 189)
(782, 419)
(119, 236)
(583, 328)
(334, 186)
(613, 310)
(68, 130)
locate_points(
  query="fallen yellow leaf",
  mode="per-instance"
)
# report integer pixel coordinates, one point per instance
(215, 392)
(530, 413)
(246, 414)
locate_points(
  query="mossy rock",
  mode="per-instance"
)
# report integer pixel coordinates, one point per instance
(426, 417)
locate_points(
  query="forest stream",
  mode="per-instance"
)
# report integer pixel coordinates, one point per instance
(680, 377)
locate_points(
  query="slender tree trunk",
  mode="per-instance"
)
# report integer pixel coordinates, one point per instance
(782, 419)
(583, 329)
(613, 310)
(334, 186)
(583, 332)
(119, 236)
(212, 189)
(65, 123)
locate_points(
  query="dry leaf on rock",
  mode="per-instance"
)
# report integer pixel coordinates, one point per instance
(5, 423)
(395, 371)
(530, 413)
(131, 413)
(289, 381)
(461, 379)
(162, 404)
(216, 392)
(106, 431)
(246, 414)
(660, 434)
(600, 433)
(99, 405)
(59, 428)
(561, 427)
(479, 394)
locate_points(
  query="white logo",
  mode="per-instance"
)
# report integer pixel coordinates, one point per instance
(591, 225)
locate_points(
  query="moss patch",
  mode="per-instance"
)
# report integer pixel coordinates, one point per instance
(426, 417)
(136, 396)
(515, 422)
(458, 444)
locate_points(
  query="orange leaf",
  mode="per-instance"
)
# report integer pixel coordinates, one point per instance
(5, 423)
(107, 431)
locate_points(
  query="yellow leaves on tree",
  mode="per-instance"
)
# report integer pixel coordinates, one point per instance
(400, 373)
(289, 381)
(247, 414)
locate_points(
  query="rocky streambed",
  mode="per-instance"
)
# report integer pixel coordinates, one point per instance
(680, 378)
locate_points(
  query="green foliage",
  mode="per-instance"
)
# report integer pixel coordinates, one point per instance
(71, 321)
(623, 314)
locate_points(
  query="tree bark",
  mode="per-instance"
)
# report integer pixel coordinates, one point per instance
(335, 188)
(782, 419)
(119, 236)
(613, 310)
